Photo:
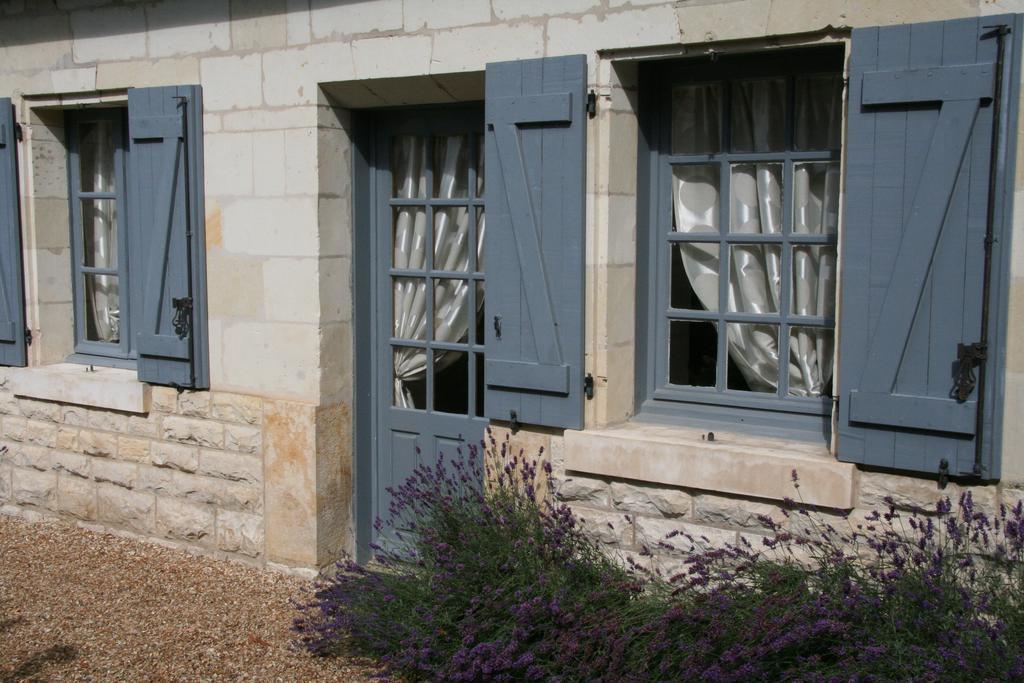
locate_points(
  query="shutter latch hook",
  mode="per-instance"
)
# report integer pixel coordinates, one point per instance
(514, 422)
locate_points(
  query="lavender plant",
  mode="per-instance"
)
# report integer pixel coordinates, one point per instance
(485, 580)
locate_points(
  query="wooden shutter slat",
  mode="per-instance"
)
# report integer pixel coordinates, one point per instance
(535, 158)
(967, 82)
(918, 149)
(12, 288)
(166, 215)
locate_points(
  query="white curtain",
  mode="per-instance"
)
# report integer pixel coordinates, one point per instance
(451, 253)
(755, 273)
(100, 232)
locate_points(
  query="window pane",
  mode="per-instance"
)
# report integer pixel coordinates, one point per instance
(811, 354)
(409, 167)
(695, 192)
(451, 314)
(410, 373)
(481, 229)
(451, 238)
(697, 119)
(102, 308)
(692, 353)
(451, 381)
(694, 276)
(754, 352)
(410, 308)
(814, 281)
(451, 166)
(755, 278)
(479, 384)
(816, 198)
(480, 312)
(756, 201)
(480, 177)
(819, 111)
(410, 246)
(759, 115)
(96, 155)
(99, 238)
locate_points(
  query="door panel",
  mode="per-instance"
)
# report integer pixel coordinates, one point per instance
(427, 290)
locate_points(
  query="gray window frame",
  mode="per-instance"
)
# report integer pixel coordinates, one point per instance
(121, 354)
(773, 413)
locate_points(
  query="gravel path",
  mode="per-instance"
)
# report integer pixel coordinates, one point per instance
(77, 605)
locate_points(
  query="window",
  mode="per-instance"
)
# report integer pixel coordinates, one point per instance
(99, 238)
(743, 228)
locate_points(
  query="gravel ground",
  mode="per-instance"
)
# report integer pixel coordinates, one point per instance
(82, 606)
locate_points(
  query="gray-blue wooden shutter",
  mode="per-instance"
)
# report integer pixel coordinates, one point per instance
(535, 155)
(919, 148)
(165, 206)
(12, 287)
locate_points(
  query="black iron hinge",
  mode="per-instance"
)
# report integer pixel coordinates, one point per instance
(19, 132)
(28, 336)
(588, 386)
(591, 104)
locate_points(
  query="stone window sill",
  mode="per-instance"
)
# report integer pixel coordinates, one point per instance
(738, 464)
(110, 388)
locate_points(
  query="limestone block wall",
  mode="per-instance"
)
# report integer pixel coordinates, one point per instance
(190, 471)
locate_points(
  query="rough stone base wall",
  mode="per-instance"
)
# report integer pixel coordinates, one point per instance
(632, 517)
(188, 473)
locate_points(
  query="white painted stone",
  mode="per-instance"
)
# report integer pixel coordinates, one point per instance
(99, 444)
(112, 388)
(194, 403)
(611, 528)
(72, 463)
(290, 76)
(237, 408)
(149, 73)
(291, 289)
(115, 472)
(657, 533)
(193, 431)
(32, 487)
(177, 456)
(525, 9)
(583, 490)
(651, 500)
(238, 532)
(391, 56)
(269, 119)
(271, 227)
(242, 438)
(231, 466)
(206, 28)
(183, 520)
(421, 14)
(232, 82)
(629, 28)
(470, 49)
(279, 355)
(124, 508)
(269, 170)
(297, 27)
(108, 34)
(73, 80)
(233, 152)
(330, 18)
(76, 497)
(258, 24)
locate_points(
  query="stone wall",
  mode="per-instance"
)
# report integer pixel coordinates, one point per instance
(188, 472)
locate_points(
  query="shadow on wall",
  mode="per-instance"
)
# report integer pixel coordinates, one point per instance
(102, 21)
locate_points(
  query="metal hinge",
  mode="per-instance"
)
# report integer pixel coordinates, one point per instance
(943, 473)
(591, 104)
(968, 357)
(588, 386)
(514, 424)
(182, 315)
(28, 336)
(19, 132)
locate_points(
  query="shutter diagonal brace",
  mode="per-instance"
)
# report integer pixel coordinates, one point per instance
(170, 129)
(943, 161)
(507, 115)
